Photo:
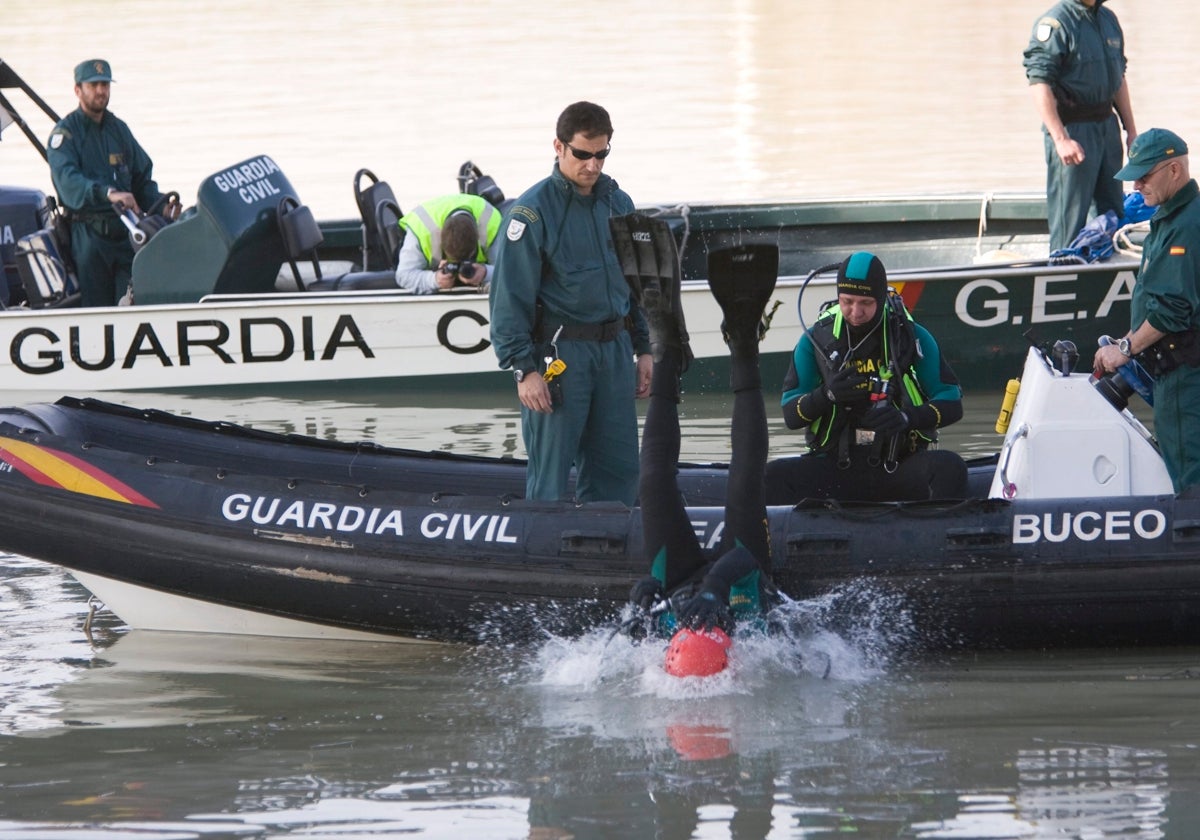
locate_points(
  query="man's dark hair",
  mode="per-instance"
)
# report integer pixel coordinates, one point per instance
(460, 236)
(586, 118)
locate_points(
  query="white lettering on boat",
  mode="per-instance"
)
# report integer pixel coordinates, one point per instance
(251, 180)
(6, 236)
(986, 301)
(312, 516)
(40, 350)
(1088, 525)
(486, 527)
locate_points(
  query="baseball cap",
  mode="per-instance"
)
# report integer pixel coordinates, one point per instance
(93, 70)
(1149, 149)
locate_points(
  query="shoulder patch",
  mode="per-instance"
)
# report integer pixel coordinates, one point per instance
(528, 212)
(58, 136)
(515, 229)
(1045, 28)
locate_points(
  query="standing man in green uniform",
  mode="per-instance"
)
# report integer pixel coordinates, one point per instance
(558, 292)
(1075, 63)
(95, 164)
(1165, 310)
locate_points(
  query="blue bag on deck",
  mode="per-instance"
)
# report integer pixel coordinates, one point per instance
(1093, 244)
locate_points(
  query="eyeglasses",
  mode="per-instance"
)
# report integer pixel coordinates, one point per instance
(580, 154)
(1157, 168)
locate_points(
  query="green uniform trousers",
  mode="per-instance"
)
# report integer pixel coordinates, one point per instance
(1176, 423)
(594, 428)
(1071, 190)
(104, 266)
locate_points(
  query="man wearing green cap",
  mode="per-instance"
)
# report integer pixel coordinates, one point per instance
(96, 164)
(1165, 310)
(1075, 64)
(870, 388)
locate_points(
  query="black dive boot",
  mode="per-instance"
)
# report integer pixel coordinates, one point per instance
(650, 262)
(742, 280)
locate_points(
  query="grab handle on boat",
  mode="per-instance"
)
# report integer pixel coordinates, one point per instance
(130, 220)
(1008, 488)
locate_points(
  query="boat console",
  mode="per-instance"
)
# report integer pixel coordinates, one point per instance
(228, 243)
(1066, 439)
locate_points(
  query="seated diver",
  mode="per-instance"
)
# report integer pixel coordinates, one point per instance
(703, 594)
(870, 388)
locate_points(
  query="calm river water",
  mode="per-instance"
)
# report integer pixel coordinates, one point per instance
(158, 735)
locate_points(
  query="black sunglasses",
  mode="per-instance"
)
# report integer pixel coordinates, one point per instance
(582, 155)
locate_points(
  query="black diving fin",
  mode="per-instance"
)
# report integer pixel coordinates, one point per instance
(742, 279)
(649, 260)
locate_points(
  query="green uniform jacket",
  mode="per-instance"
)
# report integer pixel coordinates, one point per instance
(1166, 293)
(1167, 296)
(88, 158)
(1083, 56)
(557, 249)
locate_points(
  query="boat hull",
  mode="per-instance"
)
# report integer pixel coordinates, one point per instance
(354, 540)
(396, 341)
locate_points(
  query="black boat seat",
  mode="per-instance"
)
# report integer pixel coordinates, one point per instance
(355, 280)
(472, 181)
(301, 236)
(387, 221)
(378, 250)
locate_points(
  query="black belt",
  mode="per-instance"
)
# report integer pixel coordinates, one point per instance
(108, 225)
(607, 331)
(1084, 113)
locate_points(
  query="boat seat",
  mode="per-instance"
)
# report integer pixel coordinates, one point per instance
(301, 236)
(357, 281)
(378, 250)
(387, 220)
(472, 181)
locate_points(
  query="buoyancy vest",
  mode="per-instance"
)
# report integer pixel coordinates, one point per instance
(425, 223)
(888, 357)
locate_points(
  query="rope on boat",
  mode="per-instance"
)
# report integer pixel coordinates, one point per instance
(1122, 242)
(983, 208)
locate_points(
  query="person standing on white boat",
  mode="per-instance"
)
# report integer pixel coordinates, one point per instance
(1164, 330)
(559, 295)
(870, 388)
(449, 241)
(97, 166)
(1075, 64)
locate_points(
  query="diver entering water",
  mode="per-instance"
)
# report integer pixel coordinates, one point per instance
(687, 593)
(870, 388)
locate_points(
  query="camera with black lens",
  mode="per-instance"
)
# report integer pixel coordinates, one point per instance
(457, 269)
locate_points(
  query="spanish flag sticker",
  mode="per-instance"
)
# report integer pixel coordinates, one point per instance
(1178, 251)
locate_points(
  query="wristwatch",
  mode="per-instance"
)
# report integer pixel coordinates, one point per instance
(1123, 346)
(519, 374)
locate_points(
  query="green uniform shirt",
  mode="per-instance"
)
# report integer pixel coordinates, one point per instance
(1166, 293)
(1079, 52)
(557, 249)
(89, 158)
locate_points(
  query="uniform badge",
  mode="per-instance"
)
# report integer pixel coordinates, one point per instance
(56, 140)
(1045, 28)
(515, 230)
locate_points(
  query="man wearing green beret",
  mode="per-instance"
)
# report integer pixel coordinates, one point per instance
(1075, 64)
(1164, 330)
(96, 164)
